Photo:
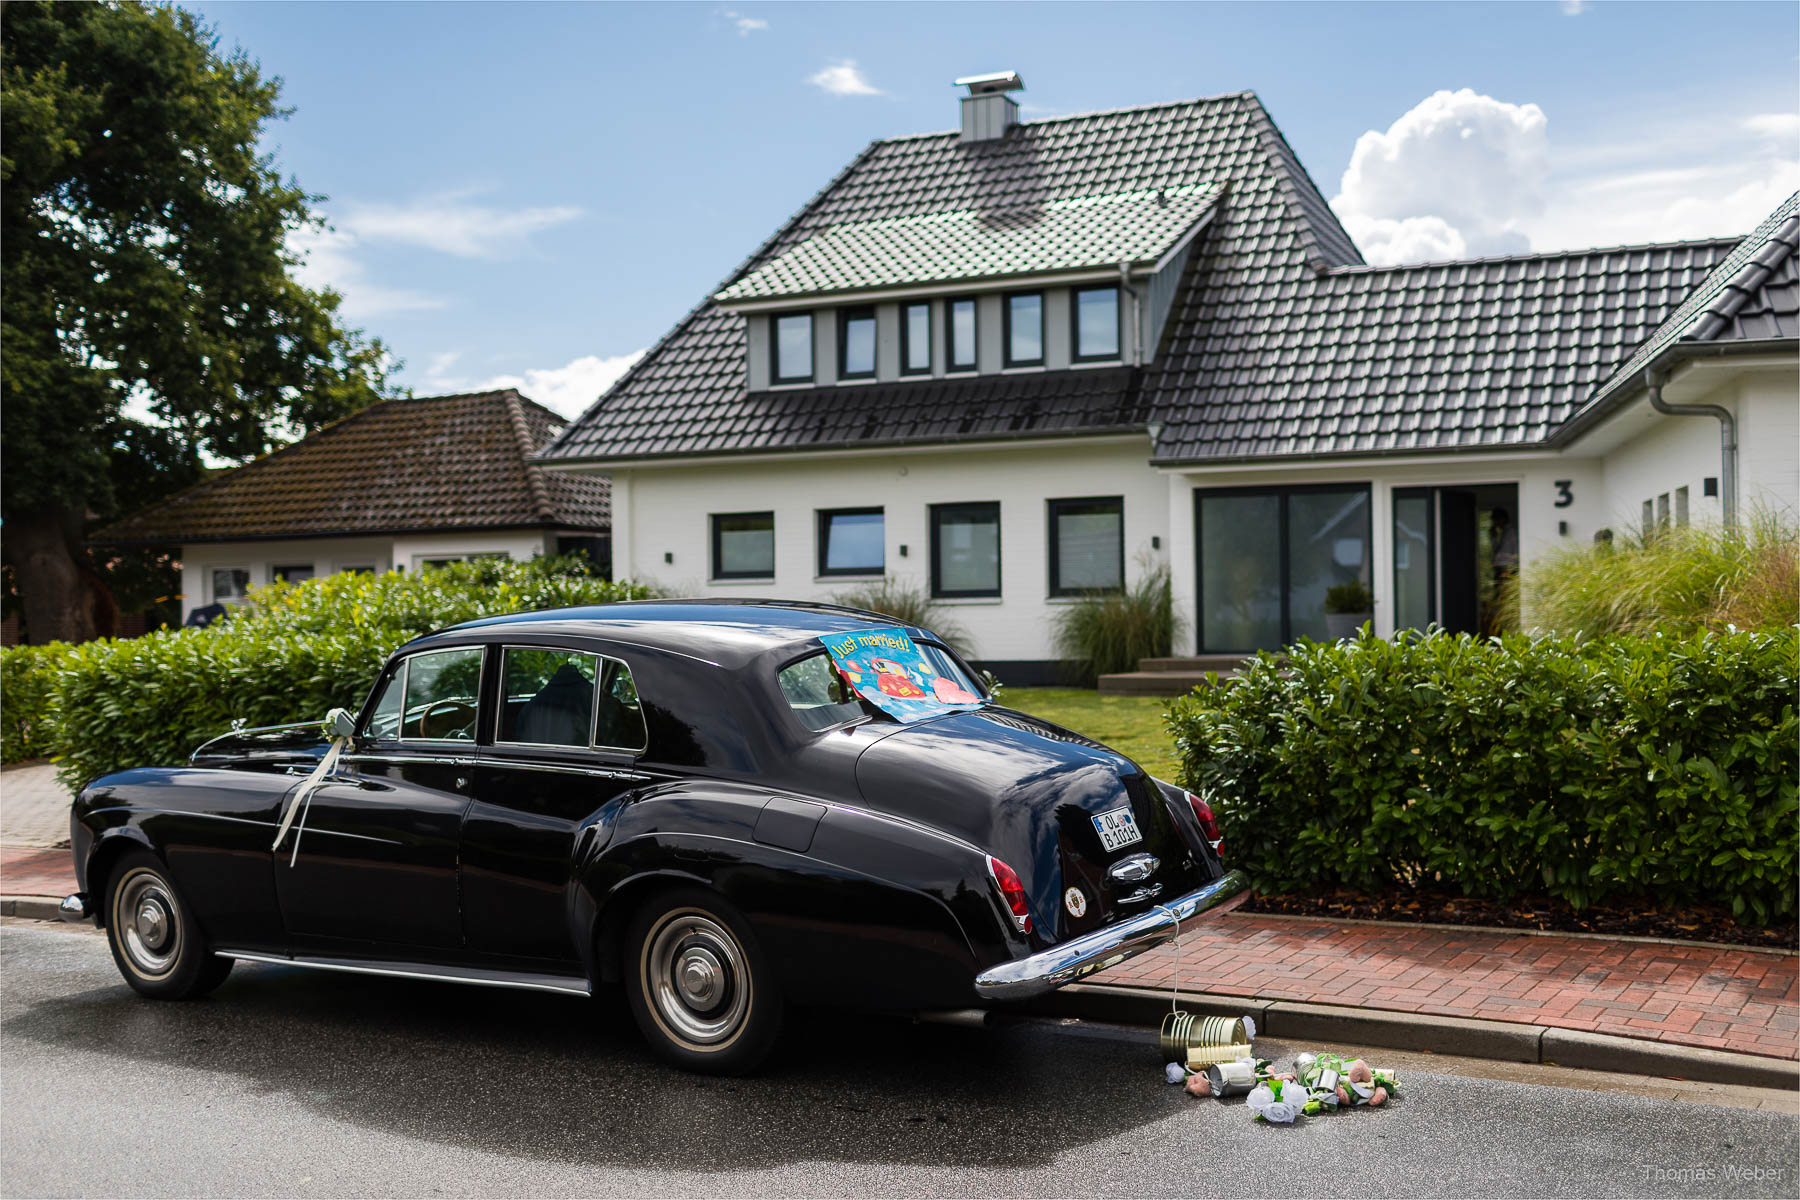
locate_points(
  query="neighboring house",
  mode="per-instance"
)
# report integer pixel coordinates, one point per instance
(1025, 361)
(400, 485)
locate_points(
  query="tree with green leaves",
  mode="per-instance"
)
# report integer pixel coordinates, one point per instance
(144, 260)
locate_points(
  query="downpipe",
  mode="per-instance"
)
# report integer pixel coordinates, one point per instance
(1727, 436)
(1137, 314)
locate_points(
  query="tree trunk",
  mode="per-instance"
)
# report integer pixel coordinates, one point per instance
(52, 590)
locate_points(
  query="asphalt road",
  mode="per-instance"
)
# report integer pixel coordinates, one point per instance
(289, 1082)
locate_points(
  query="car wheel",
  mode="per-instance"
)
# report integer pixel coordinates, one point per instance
(700, 989)
(155, 941)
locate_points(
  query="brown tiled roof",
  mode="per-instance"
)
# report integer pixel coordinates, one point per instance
(430, 463)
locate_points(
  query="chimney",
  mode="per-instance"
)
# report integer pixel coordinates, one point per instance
(987, 111)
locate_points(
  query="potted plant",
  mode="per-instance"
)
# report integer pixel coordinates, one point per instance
(1347, 606)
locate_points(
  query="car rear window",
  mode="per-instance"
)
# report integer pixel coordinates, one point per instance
(817, 693)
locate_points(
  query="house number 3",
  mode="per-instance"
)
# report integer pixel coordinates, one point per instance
(1564, 497)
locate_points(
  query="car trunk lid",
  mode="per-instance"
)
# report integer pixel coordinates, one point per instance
(1028, 792)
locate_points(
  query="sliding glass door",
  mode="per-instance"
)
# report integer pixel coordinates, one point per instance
(1267, 556)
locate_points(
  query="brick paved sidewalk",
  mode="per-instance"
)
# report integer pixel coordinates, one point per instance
(34, 807)
(1718, 997)
(32, 871)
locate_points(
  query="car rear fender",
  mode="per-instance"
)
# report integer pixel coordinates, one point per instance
(854, 909)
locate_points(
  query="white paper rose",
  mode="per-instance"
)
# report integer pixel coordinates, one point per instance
(1175, 1073)
(1280, 1112)
(1260, 1097)
(1249, 1029)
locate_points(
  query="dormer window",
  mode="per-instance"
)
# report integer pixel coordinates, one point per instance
(856, 343)
(962, 335)
(1025, 329)
(1096, 316)
(794, 348)
(915, 339)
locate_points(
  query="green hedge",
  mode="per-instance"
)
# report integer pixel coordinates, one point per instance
(291, 654)
(1633, 766)
(27, 679)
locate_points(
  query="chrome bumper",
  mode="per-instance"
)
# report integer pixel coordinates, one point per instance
(1050, 969)
(75, 907)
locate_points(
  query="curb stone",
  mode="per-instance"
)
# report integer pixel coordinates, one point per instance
(1598, 1051)
(36, 908)
(1500, 1040)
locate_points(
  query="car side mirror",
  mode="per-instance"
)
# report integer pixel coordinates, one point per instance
(340, 723)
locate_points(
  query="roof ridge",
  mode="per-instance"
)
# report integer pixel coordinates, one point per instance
(706, 301)
(1076, 116)
(1371, 268)
(534, 480)
(1283, 157)
(1748, 277)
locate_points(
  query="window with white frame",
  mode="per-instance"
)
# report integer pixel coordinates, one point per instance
(229, 585)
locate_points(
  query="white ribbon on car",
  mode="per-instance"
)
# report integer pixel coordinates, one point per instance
(302, 797)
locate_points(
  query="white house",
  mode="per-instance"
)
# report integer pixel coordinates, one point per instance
(400, 485)
(1021, 361)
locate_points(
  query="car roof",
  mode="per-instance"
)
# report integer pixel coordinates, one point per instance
(710, 629)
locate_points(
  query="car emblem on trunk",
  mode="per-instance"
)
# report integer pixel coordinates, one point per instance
(1135, 869)
(1075, 902)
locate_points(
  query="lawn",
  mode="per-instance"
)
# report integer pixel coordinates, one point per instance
(1132, 725)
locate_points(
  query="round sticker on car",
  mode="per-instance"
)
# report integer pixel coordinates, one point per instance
(1075, 902)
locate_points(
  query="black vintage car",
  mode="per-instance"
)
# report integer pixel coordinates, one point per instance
(687, 797)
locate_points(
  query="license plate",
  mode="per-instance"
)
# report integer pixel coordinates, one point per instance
(1117, 828)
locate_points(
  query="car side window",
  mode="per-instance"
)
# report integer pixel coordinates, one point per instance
(619, 723)
(547, 697)
(564, 698)
(384, 719)
(441, 691)
(817, 693)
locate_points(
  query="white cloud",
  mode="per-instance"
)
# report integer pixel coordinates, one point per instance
(327, 260)
(1726, 198)
(746, 25)
(1384, 240)
(1464, 175)
(1777, 127)
(842, 78)
(1459, 173)
(452, 225)
(1574, 8)
(568, 389)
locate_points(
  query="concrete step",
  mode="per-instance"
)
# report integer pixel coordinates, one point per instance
(1155, 683)
(1192, 664)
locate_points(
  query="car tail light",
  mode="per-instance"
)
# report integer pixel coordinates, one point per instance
(1012, 890)
(1209, 824)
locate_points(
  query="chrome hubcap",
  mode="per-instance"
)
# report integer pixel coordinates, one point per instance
(695, 976)
(700, 980)
(148, 926)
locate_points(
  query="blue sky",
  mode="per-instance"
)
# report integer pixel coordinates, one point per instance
(531, 193)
